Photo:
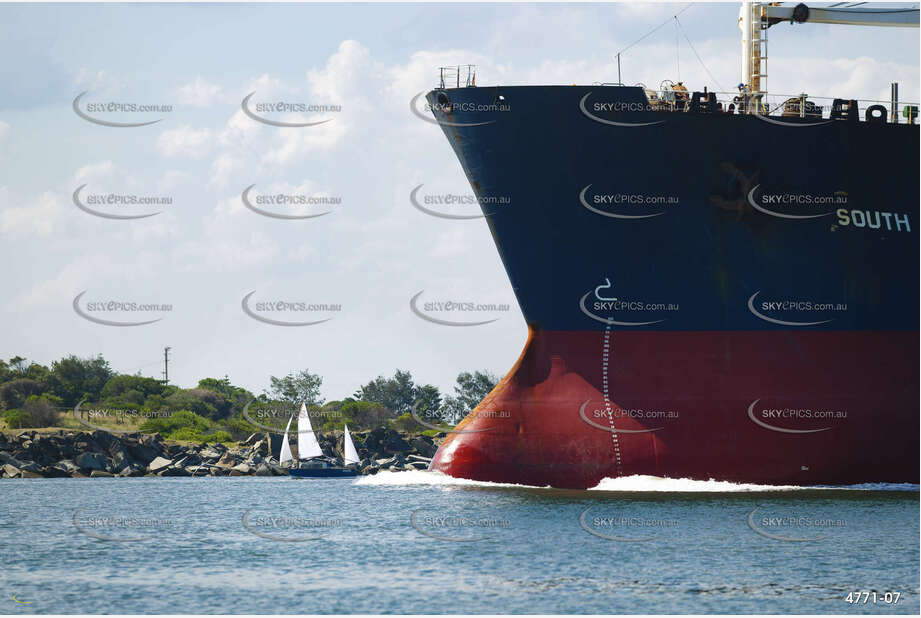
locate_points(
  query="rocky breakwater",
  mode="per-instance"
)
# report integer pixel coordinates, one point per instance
(30, 454)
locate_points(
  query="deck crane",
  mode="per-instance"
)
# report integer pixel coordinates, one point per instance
(756, 17)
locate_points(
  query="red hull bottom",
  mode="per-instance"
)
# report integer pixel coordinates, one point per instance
(772, 407)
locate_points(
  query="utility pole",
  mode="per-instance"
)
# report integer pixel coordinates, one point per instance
(166, 364)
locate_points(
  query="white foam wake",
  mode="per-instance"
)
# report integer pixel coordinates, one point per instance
(657, 483)
(424, 477)
(636, 483)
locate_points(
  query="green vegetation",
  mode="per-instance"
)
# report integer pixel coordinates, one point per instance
(33, 395)
(16, 419)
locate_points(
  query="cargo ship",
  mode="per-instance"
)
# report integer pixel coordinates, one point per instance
(716, 285)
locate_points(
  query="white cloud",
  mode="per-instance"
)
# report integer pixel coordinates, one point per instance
(201, 93)
(94, 172)
(266, 88)
(85, 272)
(225, 167)
(37, 216)
(97, 82)
(224, 249)
(240, 130)
(4, 130)
(173, 179)
(348, 77)
(185, 141)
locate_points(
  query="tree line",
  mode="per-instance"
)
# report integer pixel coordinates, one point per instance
(33, 395)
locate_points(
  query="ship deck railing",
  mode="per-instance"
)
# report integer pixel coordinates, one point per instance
(785, 105)
(454, 76)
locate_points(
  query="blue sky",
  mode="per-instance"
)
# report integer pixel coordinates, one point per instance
(205, 251)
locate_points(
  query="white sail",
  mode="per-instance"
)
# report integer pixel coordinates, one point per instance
(351, 455)
(285, 454)
(307, 445)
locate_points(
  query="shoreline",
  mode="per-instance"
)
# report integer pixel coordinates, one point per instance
(80, 454)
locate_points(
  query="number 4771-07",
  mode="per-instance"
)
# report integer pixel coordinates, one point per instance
(873, 597)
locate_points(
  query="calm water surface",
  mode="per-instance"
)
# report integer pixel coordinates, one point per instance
(417, 542)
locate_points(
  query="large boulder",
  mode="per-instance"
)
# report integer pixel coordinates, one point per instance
(383, 442)
(65, 446)
(210, 455)
(132, 470)
(120, 456)
(68, 466)
(144, 452)
(21, 469)
(159, 464)
(203, 470)
(173, 471)
(228, 460)
(176, 451)
(277, 470)
(91, 461)
(104, 439)
(43, 451)
(192, 459)
(240, 470)
(55, 472)
(274, 440)
(424, 446)
(261, 447)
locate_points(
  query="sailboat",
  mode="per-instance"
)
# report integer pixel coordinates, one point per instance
(311, 463)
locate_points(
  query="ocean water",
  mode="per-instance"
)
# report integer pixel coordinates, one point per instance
(420, 542)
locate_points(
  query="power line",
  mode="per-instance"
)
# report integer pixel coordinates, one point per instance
(678, 22)
(675, 16)
(677, 50)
